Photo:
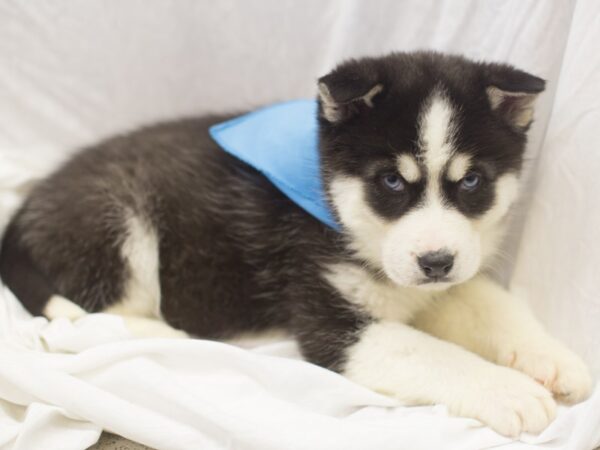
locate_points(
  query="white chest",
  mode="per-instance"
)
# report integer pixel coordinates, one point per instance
(380, 298)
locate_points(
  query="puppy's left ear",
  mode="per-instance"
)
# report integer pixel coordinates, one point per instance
(348, 90)
(512, 93)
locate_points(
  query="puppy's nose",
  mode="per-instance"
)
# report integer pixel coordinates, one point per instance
(436, 264)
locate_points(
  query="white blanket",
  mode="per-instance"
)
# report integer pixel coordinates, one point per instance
(71, 72)
(192, 394)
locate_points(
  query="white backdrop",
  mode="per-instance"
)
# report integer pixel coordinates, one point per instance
(73, 72)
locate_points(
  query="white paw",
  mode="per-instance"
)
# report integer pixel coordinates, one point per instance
(508, 402)
(553, 365)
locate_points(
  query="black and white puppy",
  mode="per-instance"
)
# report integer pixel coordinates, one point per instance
(420, 154)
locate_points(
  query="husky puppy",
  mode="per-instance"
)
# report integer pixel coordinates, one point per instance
(420, 160)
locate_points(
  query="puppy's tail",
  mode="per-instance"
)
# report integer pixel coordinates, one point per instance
(19, 272)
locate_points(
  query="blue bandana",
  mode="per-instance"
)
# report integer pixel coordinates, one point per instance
(280, 141)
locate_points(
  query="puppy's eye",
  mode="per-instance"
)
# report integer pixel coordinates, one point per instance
(393, 182)
(470, 181)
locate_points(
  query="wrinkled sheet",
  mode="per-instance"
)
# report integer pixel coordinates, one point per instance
(73, 72)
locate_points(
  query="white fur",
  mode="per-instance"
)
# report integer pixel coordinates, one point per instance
(491, 226)
(430, 229)
(144, 327)
(253, 339)
(140, 305)
(486, 319)
(382, 299)
(396, 359)
(141, 327)
(507, 190)
(436, 133)
(419, 369)
(142, 290)
(367, 230)
(368, 97)
(408, 168)
(59, 306)
(458, 167)
(331, 108)
(522, 112)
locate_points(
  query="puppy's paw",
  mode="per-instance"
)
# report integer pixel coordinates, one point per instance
(553, 365)
(142, 327)
(508, 402)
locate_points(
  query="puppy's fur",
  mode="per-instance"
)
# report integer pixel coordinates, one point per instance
(420, 155)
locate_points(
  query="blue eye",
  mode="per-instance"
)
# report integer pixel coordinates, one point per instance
(470, 181)
(393, 182)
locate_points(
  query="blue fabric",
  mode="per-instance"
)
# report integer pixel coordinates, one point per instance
(281, 142)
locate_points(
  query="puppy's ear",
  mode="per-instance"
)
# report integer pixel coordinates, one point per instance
(512, 94)
(348, 90)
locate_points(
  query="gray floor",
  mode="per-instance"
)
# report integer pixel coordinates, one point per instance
(110, 441)
(113, 442)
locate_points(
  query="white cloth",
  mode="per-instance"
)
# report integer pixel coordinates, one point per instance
(72, 72)
(191, 394)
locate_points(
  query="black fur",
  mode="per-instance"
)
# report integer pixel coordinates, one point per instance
(235, 254)
(366, 137)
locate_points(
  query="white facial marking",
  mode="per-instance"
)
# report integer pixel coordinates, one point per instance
(366, 229)
(436, 133)
(458, 167)
(408, 168)
(436, 136)
(142, 289)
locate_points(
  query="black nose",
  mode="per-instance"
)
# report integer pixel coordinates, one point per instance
(436, 264)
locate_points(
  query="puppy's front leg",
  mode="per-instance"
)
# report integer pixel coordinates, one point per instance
(419, 369)
(486, 319)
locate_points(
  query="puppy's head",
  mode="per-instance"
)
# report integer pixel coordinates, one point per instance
(421, 155)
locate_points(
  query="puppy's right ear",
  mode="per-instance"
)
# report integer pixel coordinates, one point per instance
(512, 94)
(348, 90)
